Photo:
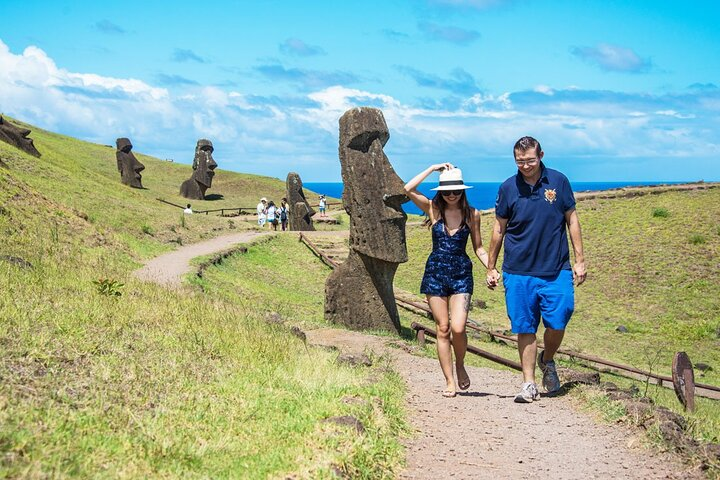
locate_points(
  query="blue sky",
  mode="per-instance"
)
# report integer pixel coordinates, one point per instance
(614, 90)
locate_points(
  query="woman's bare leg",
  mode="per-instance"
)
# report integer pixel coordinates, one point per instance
(439, 308)
(459, 308)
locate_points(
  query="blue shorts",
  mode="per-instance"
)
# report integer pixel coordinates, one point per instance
(528, 297)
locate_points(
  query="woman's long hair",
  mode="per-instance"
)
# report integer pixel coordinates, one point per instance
(440, 204)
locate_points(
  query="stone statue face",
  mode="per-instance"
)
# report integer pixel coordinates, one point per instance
(203, 163)
(300, 210)
(373, 193)
(295, 191)
(128, 166)
(17, 137)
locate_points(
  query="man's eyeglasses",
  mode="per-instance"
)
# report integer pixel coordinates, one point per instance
(529, 161)
(446, 193)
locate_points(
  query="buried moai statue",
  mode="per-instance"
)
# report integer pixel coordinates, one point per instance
(128, 166)
(359, 293)
(17, 137)
(203, 171)
(300, 214)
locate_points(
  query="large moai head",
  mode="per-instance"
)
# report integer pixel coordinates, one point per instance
(203, 163)
(128, 166)
(203, 171)
(300, 210)
(17, 137)
(372, 192)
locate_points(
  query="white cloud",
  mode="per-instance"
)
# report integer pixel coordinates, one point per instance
(544, 89)
(265, 135)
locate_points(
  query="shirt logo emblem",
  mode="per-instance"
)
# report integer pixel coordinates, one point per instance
(550, 195)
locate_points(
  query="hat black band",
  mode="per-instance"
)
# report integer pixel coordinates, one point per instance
(451, 182)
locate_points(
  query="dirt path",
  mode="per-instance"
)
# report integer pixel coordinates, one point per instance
(480, 433)
(168, 269)
(483, 434)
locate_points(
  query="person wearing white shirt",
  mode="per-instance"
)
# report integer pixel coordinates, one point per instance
(262, 212)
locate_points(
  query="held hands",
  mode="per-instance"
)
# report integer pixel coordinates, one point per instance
(493, 278)
(579, 273)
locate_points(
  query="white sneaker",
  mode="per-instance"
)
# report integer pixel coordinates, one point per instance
(528, 393)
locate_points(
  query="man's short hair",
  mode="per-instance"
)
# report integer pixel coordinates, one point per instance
(525, 144)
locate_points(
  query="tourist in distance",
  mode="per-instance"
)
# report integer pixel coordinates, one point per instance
(322, 205)
(283, 212)
(188, 209)
(448, 281)
(533, 212)
(272, 215)
(262, 212)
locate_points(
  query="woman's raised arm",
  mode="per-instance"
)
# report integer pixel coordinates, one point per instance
(422, 202)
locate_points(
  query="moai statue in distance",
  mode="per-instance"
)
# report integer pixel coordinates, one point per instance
(359, 293)
(300, 215)
(128, 166)
(17, 137)
(203, 171)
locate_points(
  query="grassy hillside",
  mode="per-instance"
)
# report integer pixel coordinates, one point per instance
(84, 177)
(105, 376)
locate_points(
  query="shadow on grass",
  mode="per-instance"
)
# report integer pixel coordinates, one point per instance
(564, 390)
(214, 196)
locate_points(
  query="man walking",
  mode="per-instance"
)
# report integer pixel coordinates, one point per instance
(533, 212)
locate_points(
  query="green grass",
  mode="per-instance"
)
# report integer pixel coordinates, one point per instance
(697, 239)
(156, 383)
(660, 212)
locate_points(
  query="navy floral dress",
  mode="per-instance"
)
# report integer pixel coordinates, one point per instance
(448, 269)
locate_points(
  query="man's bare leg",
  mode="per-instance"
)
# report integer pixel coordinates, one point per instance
(552, 340)
(527, 348)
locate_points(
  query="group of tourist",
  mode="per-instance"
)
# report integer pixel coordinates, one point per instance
(273, 215)
(534, 210)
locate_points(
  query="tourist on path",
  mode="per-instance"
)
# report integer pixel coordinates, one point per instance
(262, 212)
(272, 215)
(188, 209)
(448, 281)
(532, 212)
(322, 205)
(283, 212)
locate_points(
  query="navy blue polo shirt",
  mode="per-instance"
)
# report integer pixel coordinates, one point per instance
(536, 236)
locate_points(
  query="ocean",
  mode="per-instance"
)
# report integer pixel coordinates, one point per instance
(481, 196)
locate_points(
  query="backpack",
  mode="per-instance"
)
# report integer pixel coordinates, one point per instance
(283, 213)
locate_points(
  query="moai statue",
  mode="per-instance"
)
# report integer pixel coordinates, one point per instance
(203, 171)
(300, 215)
(17, 137)
(359, 293)
(128, 166)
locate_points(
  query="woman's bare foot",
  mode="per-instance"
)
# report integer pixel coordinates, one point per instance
(462, 376)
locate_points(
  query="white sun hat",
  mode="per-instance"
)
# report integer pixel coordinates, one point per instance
(451, 180)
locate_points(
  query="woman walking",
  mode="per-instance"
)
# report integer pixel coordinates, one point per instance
(448, 281)
(283, 214)
(272, 215)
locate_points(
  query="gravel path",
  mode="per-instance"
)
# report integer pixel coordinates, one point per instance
(481, 433)
(168, 269)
